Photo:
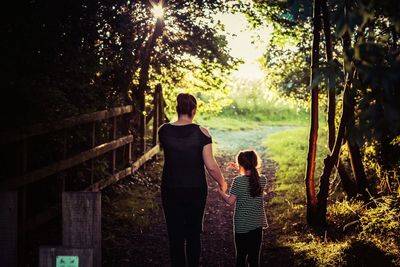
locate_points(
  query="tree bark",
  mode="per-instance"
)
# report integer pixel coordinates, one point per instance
(349, 187)
(354, 151)
(313, 137)
(331, 77)
(331, 160)
(325, 183)
(144, 79)
(357, 165)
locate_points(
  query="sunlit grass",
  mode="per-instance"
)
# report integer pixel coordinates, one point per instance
(248, 114)
(289, 150)
(223, 123)
(356, 230)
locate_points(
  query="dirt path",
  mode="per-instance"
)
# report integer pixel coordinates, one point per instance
(134, 231)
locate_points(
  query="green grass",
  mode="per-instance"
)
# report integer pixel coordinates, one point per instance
(289, 150)
(245, 115)
(223, 123)
(356, 231)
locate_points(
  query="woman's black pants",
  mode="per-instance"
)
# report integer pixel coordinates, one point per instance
(248, 246)
(184, 210)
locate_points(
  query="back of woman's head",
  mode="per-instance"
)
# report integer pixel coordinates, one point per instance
(250, 161)
(185, 104)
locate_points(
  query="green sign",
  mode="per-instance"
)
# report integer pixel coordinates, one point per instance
(67, 261)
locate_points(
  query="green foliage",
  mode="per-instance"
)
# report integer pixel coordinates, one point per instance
(86, 56)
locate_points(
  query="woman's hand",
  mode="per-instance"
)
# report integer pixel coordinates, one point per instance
(229, 199)
(223, 186)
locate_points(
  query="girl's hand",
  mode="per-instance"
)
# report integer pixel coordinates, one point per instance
(232, 165)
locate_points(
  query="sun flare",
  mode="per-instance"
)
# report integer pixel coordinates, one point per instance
(158, 10)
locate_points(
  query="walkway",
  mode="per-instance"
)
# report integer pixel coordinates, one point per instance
(134, 232)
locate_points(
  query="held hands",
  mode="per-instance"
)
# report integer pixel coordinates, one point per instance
(223, 186)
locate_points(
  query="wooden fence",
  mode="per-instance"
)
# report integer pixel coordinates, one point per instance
(122, 147)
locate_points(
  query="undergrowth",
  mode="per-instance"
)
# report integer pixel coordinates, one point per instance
(358, 234)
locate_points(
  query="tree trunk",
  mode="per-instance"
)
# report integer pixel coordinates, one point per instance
(354, 151)
(331, 161)
(331, 77)
(349, 187)
(357, 166)
(312, 143)
(325, 183)
(143, 80)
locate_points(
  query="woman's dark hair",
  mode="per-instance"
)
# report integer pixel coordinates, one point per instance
(249, 160)
(185, 104)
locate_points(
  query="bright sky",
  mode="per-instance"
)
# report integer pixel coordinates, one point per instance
(240, 38)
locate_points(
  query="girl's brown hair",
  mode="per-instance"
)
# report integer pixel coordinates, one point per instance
(185, 104)
(250, 161)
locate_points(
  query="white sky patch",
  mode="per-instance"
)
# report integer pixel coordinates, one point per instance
(244, 45)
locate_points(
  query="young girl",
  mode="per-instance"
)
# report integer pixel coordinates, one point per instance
(249, 217)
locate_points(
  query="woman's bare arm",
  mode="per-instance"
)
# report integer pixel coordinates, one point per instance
(211, 164)
(212, 167)
(230, 199)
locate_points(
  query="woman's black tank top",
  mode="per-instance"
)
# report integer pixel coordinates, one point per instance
(183, 156)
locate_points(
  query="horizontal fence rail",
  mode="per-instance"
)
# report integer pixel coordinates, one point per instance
(119, 150)
(42, 128)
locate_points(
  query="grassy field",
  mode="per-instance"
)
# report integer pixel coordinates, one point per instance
(243, 115)
(289, 150)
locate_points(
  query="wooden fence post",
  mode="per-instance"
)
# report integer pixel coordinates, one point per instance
(156, 113)
(161, 114)
(81, 215)
(48, 256)
(8, 228)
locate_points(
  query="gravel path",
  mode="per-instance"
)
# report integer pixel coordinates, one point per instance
(126, 244)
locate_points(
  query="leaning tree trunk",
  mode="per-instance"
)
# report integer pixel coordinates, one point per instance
(354, 151)
(357, 165)
(331, 161)
(312, 142)
(325, 183)
(348, 185)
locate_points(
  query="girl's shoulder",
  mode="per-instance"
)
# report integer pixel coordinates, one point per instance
(240, 179)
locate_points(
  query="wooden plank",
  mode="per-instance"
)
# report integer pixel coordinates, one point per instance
(81, 213)
(8, 228)
(54, 211)
(122, 174)
(42, 128)
(156, 108)
(48, 255)
(61, 165)
(150, 116)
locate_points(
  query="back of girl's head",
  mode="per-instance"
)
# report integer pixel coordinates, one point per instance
(250, 161)
(185, 104)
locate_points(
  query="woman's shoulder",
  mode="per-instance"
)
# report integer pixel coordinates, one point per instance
(204, 130)
(163, 126)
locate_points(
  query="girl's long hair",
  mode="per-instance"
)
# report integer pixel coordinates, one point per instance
(249, 160)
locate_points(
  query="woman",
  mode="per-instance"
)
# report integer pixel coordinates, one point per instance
(187, 149)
